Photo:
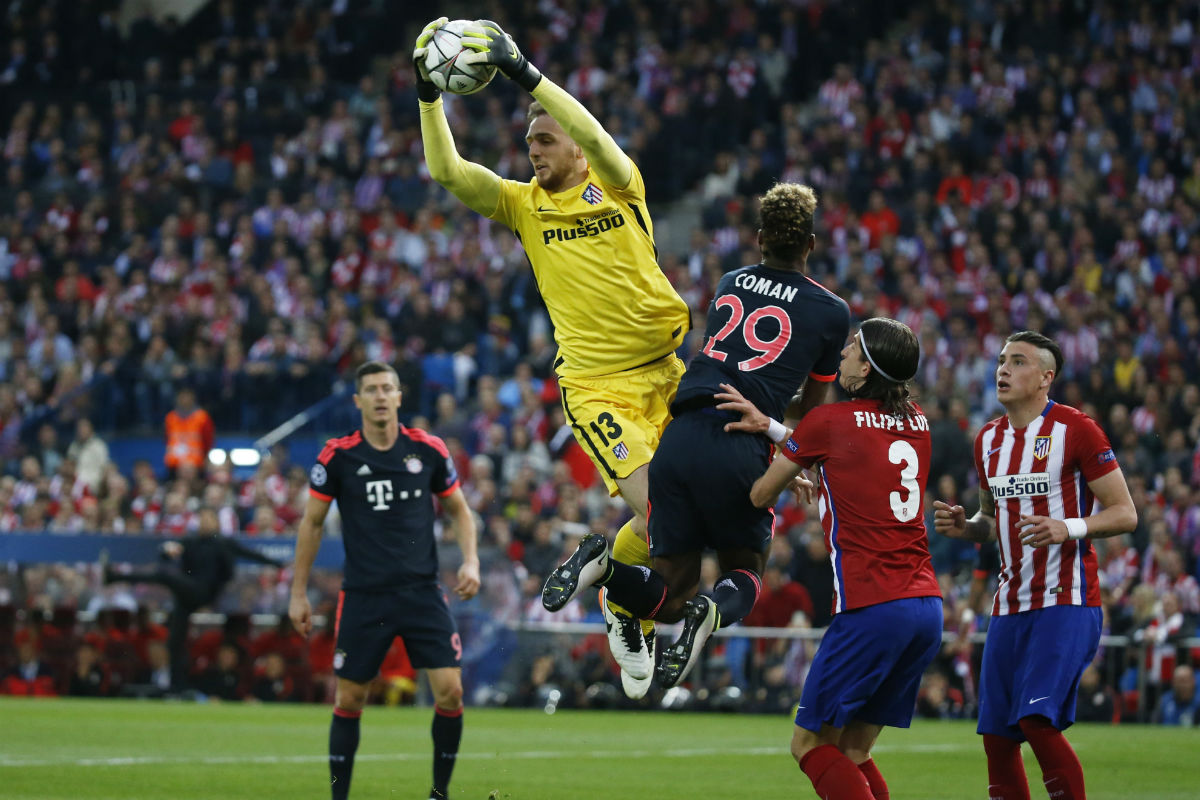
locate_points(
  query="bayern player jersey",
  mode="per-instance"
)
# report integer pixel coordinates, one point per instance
(873, 469)
(385, 498)
(767, 331)
(1043, 469)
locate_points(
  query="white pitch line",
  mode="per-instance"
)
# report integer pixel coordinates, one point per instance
(138, 761)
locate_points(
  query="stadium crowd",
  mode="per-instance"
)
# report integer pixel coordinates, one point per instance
(238, 204)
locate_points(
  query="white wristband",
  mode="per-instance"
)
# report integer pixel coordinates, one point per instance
(1076, 528)
(776, 431)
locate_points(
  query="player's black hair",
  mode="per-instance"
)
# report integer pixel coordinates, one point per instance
(786, 212)
(371, 368)
(1041, 342)
(892, 350)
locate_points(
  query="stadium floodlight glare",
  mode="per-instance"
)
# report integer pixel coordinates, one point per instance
(244, 457)
(216, 456)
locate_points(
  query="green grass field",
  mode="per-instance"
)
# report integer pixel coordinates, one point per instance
(148, 749)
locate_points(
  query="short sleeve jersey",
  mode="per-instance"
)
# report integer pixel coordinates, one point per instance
(873, 469)
(385, 498)
(1043, 468)
(593, 254)
(768, 330)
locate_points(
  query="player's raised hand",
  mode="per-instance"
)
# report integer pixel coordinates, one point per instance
(949, 520)
(752, 421)
(491, 45)
(301, 614)
(468, 580)
(425, 89)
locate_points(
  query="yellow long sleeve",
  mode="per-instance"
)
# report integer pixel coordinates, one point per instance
(474, 184)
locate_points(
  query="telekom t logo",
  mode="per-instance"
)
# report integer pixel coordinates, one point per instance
(379, 493)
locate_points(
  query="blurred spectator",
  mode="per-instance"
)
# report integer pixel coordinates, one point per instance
(1180, 705)
(90, 454)
(1097, 702)
(88, 678)
(30, 675)
(222, 679)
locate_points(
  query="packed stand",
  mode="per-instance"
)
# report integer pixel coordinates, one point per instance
(247, 213)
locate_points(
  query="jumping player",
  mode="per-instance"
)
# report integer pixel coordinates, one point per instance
(384, 477)
(771, 329)
(1049, 483)
(583, 222)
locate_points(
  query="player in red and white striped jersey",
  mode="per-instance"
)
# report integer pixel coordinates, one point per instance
(1049, 483)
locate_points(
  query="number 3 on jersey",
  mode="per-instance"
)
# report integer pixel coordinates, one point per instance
(905, 508)
(768, 349)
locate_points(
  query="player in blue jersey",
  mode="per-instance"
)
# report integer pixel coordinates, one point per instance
(384, 477)
(771, 329)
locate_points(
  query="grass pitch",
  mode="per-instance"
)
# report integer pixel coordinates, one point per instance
(110, 749)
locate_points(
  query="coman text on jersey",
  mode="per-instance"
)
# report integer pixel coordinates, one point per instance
(765, 286)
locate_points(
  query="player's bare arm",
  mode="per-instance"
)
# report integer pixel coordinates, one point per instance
(463, 521)
(811, 395)
(952, 521)
(1117, 516)
(782, 474)
(308, 541)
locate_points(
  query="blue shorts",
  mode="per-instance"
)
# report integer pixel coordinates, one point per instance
(1032, 662)
(368, 622)
(869, 664)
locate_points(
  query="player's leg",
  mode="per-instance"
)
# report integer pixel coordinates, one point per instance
(833, 775)
(1062, 642)
(348, 701)
(856, 741)
(446, 683)
(1002, 740)
(363, 635)
(188, 595)
(433, 644)
(733, 596)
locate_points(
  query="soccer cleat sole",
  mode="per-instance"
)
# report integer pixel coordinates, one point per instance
(700, 620)
(585, 566)
(635, 688)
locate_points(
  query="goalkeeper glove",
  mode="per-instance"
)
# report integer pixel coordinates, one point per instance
(493, 46)
(425, 89)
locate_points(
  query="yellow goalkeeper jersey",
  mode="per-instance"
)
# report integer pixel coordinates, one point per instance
(593, 255)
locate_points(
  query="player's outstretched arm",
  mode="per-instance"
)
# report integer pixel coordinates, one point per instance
(491, 45)
(463, 520)
(308, 541)
(474, 184)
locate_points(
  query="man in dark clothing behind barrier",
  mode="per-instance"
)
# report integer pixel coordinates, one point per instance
(197, 569)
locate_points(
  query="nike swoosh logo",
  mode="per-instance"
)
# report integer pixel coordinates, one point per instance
(540, 209)
(1037, 699)
(993, 450)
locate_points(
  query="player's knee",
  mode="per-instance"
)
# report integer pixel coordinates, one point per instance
(449, 698)
(350, 696)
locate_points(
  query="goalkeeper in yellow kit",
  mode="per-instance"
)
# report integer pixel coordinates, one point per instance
(583, 223)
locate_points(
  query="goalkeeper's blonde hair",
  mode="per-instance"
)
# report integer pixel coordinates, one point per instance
(786, 212)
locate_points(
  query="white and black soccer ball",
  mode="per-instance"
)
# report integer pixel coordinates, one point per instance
(443, 64)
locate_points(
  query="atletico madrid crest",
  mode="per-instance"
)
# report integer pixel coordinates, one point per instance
(592, 194)
(621, 451)
(1041, 447)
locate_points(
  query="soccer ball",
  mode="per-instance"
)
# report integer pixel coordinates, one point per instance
(441, 62)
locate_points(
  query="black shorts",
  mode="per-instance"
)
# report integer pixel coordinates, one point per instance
(700, 479)
(368, 621)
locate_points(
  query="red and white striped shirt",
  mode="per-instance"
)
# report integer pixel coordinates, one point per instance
(1043, 469)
